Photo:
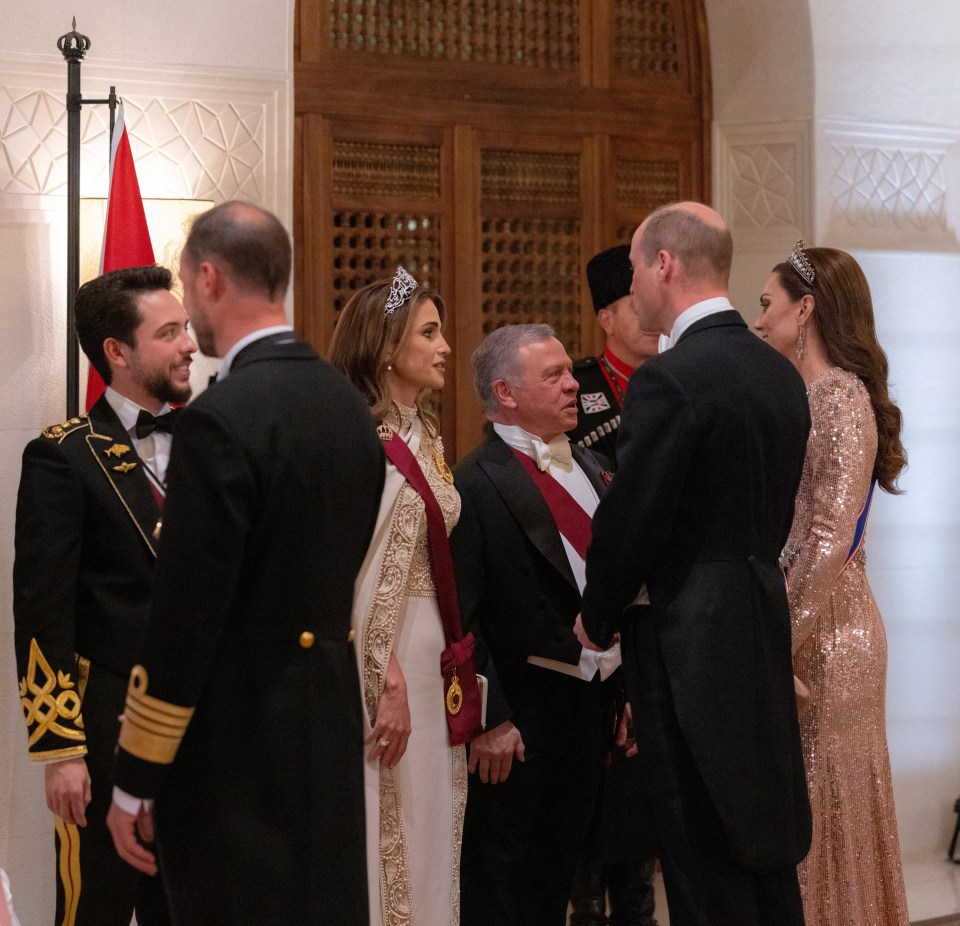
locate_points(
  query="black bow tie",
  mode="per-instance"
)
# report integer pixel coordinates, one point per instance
(147, 423)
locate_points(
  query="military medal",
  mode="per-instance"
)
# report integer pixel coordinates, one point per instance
(454, 695)
(117, 450)
(124, 467)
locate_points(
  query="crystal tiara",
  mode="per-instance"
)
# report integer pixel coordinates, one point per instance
(798, 260)
(400, 288)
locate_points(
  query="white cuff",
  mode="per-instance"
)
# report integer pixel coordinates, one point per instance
(130, 804)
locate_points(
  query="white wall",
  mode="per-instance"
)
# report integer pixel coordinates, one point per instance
(208, 92)
(887, 125)
(838, 122)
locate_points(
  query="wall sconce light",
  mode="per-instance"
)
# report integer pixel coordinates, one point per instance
(168, 221)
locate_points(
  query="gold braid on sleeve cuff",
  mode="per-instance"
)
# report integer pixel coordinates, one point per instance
(152, 729)
(51, 702)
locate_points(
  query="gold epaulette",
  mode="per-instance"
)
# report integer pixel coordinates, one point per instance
(60, 431)
(152, 729)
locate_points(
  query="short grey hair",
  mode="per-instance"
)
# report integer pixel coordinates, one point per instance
(498, 357)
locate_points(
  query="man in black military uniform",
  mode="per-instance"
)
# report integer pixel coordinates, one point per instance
(88, 512)
(614, 859)
(603, 380)
(244, 716)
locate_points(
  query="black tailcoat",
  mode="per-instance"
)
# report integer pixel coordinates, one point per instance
(710, 454)
(519, 596)
(82, 583)
(274, 486)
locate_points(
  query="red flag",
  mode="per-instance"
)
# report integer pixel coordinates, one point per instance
(126, 239)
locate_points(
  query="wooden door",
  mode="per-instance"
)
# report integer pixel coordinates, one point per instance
(491, 147)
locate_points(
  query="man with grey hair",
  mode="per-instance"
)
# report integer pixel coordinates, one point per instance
(520, 547)
(684, 561)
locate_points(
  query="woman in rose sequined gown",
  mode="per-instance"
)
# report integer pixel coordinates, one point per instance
(389, 343)
(816, 310)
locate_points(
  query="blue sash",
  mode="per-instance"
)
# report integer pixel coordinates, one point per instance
(861, 529)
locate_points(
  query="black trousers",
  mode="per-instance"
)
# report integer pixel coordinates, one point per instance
(522, 837)
(704, 885)
(95, 887)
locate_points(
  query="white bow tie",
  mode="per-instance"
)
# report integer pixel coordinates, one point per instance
(557, 451)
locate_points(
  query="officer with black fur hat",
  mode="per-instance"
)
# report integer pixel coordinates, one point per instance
(603, 380)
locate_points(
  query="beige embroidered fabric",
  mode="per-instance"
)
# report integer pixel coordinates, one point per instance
(414, 811)
(852, 875)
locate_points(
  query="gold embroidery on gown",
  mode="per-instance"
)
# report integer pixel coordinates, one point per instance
(405, 572)
(852, 875)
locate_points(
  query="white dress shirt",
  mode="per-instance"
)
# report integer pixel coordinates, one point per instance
(153, 450)
(692, 315)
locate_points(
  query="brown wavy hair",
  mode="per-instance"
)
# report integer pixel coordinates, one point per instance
(843, 314)
(366, 341)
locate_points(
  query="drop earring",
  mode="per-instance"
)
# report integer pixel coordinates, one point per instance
(800, 342)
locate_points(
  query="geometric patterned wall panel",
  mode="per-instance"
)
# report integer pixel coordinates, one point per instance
(645, 37)
(184, 149)
(889, 175)
(888, 182)
(33, 142)
(876, 186)
(764, 183)
(533, 33)
(368, 246)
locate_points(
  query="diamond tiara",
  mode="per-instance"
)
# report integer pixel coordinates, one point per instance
(400, 288)
(798, 260)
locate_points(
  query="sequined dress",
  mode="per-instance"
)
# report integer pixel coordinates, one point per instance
(852, 875)
(415, 810)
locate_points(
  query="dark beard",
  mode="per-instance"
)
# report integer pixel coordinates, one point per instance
(163, 389)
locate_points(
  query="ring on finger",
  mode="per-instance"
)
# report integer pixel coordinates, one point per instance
(382, 742)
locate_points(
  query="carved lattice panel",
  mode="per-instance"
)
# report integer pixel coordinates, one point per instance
(530, 176)
(367, 246)
(369, 169)
(531, 273)
(525, 33)
(646, 40)
(642, 186)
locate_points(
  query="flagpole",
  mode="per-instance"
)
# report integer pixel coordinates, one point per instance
(73, 46)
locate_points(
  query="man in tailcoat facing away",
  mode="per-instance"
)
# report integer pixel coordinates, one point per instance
(684, 562)
(88, 508)
(527, 498)
(243, 714)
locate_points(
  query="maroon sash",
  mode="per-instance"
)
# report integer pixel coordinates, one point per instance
(572, 521)
(461, 690)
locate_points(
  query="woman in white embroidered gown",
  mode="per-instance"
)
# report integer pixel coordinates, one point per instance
(389, 343)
